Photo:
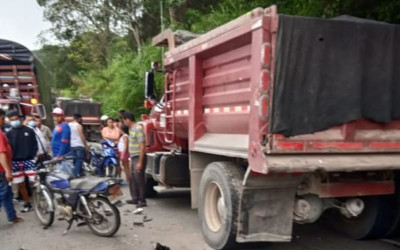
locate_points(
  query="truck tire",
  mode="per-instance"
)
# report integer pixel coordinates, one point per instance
(372, 223)
(150, 184)
(394, 204)
(219, 194)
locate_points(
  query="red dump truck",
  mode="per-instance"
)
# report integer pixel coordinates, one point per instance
(88, 109)
(273, 119)
(18, 79)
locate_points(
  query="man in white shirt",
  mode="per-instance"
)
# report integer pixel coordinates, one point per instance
(78, 143)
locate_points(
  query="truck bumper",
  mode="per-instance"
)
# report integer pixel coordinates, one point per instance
(332, 162)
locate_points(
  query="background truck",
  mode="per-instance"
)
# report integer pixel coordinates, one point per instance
(19, 79)
(90, 111)
(273, 119)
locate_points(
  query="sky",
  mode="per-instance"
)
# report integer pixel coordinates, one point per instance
(22, 21)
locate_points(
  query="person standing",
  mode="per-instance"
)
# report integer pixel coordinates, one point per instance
(46, 132)
(31, 122)
(24, 146)
(123, 151)
(78, 143)
(138, 163)
(6, 195)
(111, 132)
(61, 141)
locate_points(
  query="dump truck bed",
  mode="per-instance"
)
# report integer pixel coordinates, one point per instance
(238, 90)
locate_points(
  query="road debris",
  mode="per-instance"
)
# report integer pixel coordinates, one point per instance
(158, 246)
(138, 211)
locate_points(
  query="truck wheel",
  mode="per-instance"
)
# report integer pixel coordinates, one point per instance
(219, 195)
(394, 204)
(150, 184)
(372, 223)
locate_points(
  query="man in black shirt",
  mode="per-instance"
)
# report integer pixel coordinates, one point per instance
(24, 149)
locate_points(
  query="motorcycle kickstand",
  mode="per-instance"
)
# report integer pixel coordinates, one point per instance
(70, 222)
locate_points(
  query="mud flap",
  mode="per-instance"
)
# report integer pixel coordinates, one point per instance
(266, 208)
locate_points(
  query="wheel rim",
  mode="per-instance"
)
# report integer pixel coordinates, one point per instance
(214, 207)
(104, 218)
(41, 207)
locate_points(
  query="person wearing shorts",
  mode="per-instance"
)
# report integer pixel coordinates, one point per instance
(6, 196)
(24, 147)
(123, 151)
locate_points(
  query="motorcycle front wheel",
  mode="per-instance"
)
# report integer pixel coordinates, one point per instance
(105, 219)
(44, 206)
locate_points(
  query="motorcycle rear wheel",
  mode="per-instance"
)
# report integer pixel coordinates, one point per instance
(103, 212)
(41, 207)
(112, 170)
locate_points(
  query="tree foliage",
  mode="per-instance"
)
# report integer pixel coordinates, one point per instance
(109, 47)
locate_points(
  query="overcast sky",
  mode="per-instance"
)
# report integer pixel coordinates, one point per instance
(22, 21)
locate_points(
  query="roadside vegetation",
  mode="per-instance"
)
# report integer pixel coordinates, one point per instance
(107, 43)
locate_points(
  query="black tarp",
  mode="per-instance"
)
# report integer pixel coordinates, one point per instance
(18, 53)
(329, 72)
(82, 107)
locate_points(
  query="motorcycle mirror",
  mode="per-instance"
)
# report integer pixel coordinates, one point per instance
(149, 85)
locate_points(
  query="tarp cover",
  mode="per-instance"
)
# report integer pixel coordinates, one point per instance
(18, 53)
(329, 72)
(83, 108)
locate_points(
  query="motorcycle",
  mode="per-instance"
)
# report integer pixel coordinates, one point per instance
(104, 162)
(85, 200)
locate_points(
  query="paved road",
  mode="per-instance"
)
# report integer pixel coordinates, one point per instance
(173, 224)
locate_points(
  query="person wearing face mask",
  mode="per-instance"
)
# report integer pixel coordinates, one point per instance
(24, 146)
(6, 196)
(42, 144)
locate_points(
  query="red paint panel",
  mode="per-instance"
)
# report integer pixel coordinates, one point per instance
(228, 97)
(218, 62)
(264, 107)
(355, 189)
(226, 77)
(290, 145)
(338, 145)
(226, 123)
(384, 145)
(266, 54)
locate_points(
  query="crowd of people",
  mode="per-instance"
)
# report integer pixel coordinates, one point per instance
(25, 142)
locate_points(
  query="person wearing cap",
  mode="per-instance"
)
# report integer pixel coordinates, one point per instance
(78, 143)
(24, 146)
(61, 141)
(6, 195)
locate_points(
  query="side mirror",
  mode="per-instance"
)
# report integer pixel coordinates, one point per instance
(41, 111)
(149, 85)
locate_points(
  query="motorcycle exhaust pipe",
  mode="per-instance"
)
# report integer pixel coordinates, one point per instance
(85, 204)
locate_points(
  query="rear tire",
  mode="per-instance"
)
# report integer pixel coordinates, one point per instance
(394, 204)
(109, 210)
(41, 207)
(372, 223)
(219, 196)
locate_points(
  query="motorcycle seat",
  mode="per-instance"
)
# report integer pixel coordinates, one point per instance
(86, 183)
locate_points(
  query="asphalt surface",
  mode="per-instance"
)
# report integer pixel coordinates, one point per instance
(172, 223)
